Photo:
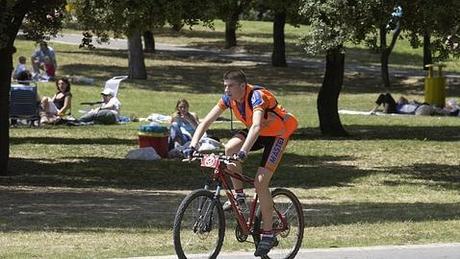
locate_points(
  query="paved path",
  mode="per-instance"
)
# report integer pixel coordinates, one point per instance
(264, 58)
(432, 251)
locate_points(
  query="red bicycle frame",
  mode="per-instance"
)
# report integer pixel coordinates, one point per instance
(219, 164)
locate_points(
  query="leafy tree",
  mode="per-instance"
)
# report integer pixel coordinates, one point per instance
(431, 24)
(383, 18)
(283, 11)
(229, 11)
(333, 22)
(393, 25)
(133, 18)
(42, 17)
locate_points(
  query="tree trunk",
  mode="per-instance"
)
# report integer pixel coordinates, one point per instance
(149, 42)
(6, 67)
(329, 120)
(231, 21)
(11, 22)
(279, 47)
(385, 54)
(427, 56)
(230, 32)
(177, 26)
(136, 63)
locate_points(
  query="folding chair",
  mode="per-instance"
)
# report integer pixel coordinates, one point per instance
(113, 84)
(24, 103)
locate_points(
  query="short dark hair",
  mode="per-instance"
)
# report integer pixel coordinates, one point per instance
(237, 75)
(66, 81)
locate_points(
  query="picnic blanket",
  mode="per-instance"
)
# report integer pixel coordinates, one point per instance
(370, 113)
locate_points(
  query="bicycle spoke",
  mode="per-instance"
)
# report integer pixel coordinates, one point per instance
(198, 228)
(288, 228)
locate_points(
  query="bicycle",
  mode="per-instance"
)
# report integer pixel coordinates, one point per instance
(200, 216)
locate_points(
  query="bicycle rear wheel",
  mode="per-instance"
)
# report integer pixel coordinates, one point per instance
(199, 226)
(288, 224)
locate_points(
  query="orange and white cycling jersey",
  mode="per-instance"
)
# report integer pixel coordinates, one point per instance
(276, 122)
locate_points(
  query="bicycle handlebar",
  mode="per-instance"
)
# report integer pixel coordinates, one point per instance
(223, 158)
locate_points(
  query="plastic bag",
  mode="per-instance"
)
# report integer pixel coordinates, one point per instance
(145, 153)
(209, 144)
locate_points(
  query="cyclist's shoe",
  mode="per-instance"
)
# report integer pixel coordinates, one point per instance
(265, 245)
(241, 203)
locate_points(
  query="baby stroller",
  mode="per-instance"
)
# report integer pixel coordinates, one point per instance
(24, 104)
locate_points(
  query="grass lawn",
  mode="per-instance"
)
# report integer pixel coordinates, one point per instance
(72, 194)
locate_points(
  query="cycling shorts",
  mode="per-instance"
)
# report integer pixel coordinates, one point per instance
(273, 149)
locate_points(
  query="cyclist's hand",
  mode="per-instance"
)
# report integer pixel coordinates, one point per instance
(188, 152)
(240, 156)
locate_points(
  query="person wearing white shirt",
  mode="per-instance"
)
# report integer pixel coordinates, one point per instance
(38, 57)
(107, 113)
(20, 68)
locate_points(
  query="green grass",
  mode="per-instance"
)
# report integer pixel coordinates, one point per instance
(71, 192)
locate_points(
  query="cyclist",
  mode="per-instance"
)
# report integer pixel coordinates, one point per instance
(269, 126)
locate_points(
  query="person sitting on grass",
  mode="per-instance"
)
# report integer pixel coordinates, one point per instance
(21, 68)
(49, 68)
(183, 125)
(107, 113)
(55, 107)
(38, 58)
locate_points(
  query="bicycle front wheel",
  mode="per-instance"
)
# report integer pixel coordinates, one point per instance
(288, 224)
(199, 226)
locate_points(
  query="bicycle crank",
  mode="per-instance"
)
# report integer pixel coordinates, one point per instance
(239, 234)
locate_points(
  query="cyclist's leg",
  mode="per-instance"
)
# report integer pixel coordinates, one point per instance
(232, 147)
(261, 183)
(274, 147)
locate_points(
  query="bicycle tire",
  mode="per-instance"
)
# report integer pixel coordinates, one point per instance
(205, 210)
(286, 249)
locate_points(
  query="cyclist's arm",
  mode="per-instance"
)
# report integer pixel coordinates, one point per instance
(204, 125)
(254, 130)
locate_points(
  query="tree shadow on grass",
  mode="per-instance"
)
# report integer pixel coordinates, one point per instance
(89, 210)
(94, 193)
(294, 171)
(372, 132)
(434, 175)
(381, 132)
(424, 133)
(206, 79)
(70, 141)
(317, 215)
(298, 77)
(297, 171)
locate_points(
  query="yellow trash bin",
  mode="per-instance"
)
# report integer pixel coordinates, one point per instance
(435, 90)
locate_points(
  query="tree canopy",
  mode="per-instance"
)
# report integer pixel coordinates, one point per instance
(133, 18)
(333, 23)
(42, 17)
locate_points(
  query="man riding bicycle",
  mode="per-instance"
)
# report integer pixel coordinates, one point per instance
(269, 126)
